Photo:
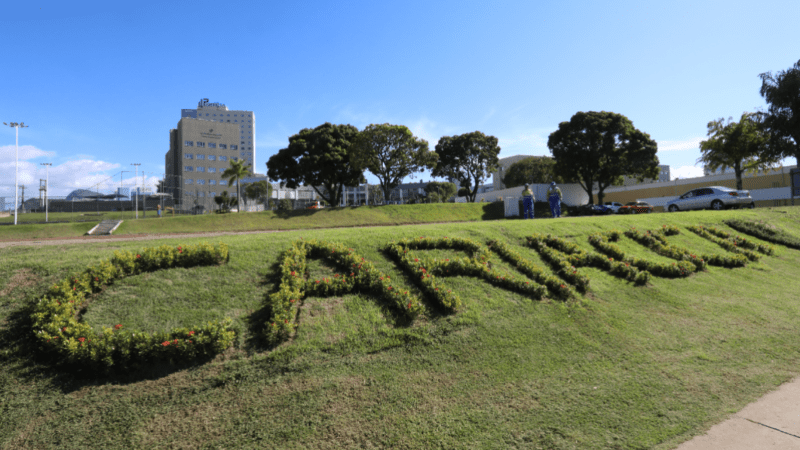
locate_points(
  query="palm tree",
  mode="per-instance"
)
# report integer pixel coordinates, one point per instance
(234, 173)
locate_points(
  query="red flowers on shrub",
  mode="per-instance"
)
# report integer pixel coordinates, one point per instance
(118, 326)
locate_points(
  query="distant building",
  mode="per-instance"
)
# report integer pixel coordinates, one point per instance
(199, 151)
(244, 120)
(663, 175)
(505, 163)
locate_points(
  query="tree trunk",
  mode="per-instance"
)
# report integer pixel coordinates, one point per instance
(737, 169)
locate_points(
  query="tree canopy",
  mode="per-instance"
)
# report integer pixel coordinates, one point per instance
(782, 118)
(739, 145)
(234, 174)
(468, 158)
(602, 147)
(531, 170)
(391, 153)
(259, 191)
(439, 192)
(320, 158)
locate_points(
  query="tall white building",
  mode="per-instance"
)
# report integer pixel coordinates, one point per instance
(245, 120)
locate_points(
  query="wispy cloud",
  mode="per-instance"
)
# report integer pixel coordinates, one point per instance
(685, 172)
(673, 146)
(26, 152)
(65, 177)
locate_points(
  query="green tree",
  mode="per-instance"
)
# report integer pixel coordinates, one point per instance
(224, 201)
(259, 191)
(463, 192)
(782, 118)
(535, 169)
(740, 145)
(234, 174)
(602, 147)
(376, 195)
(391, 153)
(468, 158)
(440, 191)
(320, 158)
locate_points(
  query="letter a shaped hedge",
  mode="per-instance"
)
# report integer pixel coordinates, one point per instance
(58, 328)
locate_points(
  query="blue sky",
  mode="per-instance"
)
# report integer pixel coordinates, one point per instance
(101, 84)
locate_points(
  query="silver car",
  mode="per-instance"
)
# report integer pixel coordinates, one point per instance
(714, 197)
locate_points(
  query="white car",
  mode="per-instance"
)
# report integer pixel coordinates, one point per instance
(614, 206)
(714, 197)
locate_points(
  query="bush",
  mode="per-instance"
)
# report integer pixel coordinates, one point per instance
(766, 232)
(285, 205)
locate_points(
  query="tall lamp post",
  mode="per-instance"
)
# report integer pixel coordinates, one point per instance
(135, 179)
(16, 166)
(46, 189)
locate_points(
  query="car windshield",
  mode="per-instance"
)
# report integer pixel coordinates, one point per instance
(631, 204)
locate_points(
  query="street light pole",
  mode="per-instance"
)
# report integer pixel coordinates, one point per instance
(46, 189)
(16, 165)
(135, 180)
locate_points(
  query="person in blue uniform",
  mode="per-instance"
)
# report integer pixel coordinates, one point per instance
(527, 202)
(554, 197)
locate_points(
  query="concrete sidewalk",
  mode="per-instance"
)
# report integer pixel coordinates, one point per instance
(771, 422)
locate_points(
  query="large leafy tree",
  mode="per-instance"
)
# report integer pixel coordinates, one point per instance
(320, 158)
(534, 169)
(782, 118)
(259, 191)
(391, 153)
(234, 174)
(468, 158)
(740, 145)
(439, 192)
(602, 147)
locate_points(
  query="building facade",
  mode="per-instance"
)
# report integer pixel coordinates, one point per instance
(199, 151)
(244, 120)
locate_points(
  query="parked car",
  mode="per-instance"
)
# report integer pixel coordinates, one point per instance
(317, 205)
(615, 206)
(591, 210)
(714, 197)
(636, 208)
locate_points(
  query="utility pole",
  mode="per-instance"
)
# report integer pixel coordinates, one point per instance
(23, 197)
(135, 177)
(16, 165)
(46, 190)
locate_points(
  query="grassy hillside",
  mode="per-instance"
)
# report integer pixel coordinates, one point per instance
(619, 366)
(269, 220)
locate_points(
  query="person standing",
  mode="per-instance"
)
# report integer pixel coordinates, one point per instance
(554, 197)
(527, 202)
(159, 211)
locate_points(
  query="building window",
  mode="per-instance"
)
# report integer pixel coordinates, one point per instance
(199, 156)
(187, 168)
(201, 169)
(223, 183)
(189, 181)
(188, 143)
(201, 193)
(201, 144)
(233, 158)
(212, 194)
(188, 156)
(212, 145)
(234, 147)
(235, 120)
(212, 170)
(212, 157)
(223, 158)
(212, 182)
(229, 115)
(206, 113)
(201, 181)
(223, 146)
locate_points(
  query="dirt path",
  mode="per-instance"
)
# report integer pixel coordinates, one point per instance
(129, 237)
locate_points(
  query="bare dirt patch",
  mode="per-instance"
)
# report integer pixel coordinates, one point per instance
(21, 278)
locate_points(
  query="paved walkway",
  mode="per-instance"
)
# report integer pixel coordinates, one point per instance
(771, 422)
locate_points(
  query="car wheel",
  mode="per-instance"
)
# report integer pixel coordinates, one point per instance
(633, 211)
(673, 208)
(716, 205)
(649, 211)
(752, 205)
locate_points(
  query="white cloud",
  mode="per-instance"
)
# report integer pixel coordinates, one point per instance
(685, 172)
(26, 152)
(63, 178)
(531, 143)
(672, 146)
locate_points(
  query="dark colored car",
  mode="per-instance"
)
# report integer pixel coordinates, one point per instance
(636, 208)
(591, 210)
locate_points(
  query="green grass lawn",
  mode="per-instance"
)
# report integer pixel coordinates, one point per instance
(267, 220)
(619, 367)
